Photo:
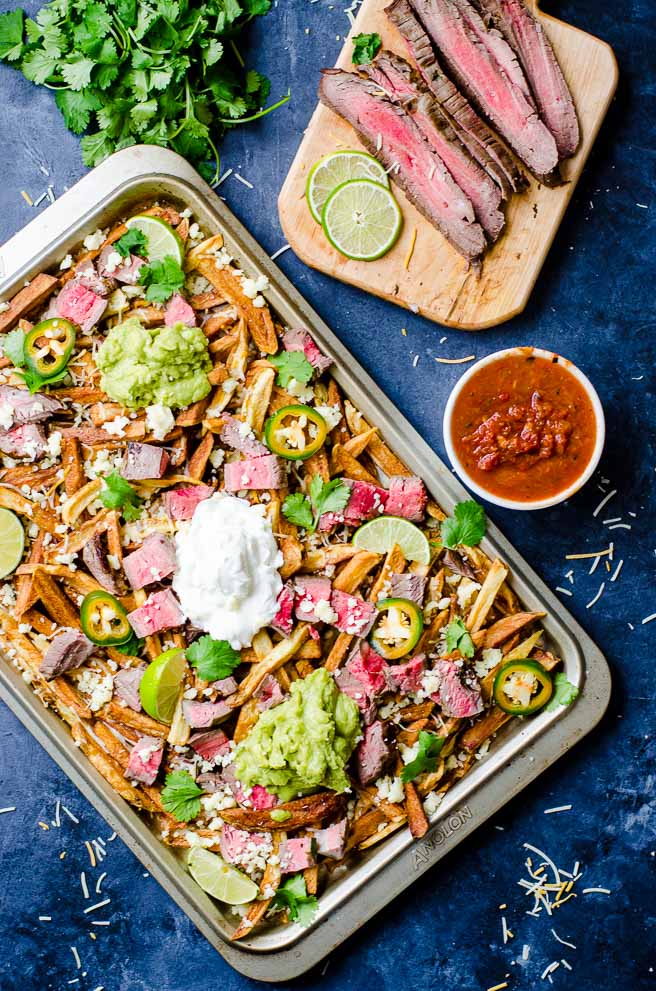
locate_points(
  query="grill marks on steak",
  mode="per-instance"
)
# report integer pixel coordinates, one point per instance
(404, 84)
(472, 60)
(420, 173)
(479, 139)
(525, 34)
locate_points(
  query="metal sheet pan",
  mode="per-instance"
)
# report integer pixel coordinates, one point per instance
(521, 750)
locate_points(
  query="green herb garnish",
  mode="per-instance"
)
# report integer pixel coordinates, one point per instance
(430, 746)
(365, 48)
(291, 365)
(325, 497)
(134, 242)
(293, 896)
(564, 692)
(467, 525)
(119, 494)
(458, 638)
(181, 796)
(163, 279)
(135, 72)
(213, 659)
(131, 647)
(14, 349)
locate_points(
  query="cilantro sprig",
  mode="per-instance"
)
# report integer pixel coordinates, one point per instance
(429, 748)
(119, 494)
(467, 525)
(14, 349)
(458, 638)
(563, 694)
(213, 659)
(163, 277)
(131, 647)
(133, 242)
(132, 71)
(324, 497)
(293, 896)
(365, 48)
(291, 365)
(181, 796)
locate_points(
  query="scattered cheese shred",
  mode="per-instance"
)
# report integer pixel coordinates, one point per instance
(408, 257)
(596, 891)
(558, 808)
(603, 502)
(92, 856)
(456, 361)
(582, 557)
(597, 596)
(499, 987)
(27, 198)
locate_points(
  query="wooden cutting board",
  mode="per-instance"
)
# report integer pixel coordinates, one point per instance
(437, 282)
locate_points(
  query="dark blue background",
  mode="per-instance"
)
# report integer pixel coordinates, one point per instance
(594, 303)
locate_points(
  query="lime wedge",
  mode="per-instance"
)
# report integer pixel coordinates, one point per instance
(12, 542)
(381, 534)
(362, 219)
(218, 879)
(334, 169)
(160, 685)
(163, 242)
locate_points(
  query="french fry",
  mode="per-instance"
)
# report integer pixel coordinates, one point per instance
(417, 820)
(258, 396)
(110, 770)
(280, 654)
(10, 499)
(228, 284)
(486, 596)
(116, 713)
(32, 295)
(270, 882)
(313, 810)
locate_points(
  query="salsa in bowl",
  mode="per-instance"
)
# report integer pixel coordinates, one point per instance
(524, 428)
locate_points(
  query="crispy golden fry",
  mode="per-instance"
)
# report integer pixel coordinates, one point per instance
(206, 248)
(417, 820)
(270, 882)
(505, 628)
(382, 834)
(55, 603)
(200, 457)
(486, 596)
(228, 284)
(326, 806)
(75, 506)
(258, 396)
(344, 463)
(316, 560)
(194, 414)
(11, 499)
(280, 654)
(121, 714)
(248, 716)
(110, 770)
(359, 442)
(355, 570)
(31, 296)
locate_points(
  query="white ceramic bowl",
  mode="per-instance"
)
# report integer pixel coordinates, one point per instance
(537, 503)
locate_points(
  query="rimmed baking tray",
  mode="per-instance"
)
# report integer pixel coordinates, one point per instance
(521, 751)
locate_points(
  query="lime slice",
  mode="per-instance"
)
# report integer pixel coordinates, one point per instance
(218, 879)
(12, 542)
(334, 169)
(163, 242)
(160, 685)
(362, 219)
(381, 534)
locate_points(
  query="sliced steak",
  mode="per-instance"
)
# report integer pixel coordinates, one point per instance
(375, 752)
(283, 621)
(473, 65)
(331, 841)
(265, 472)
(353, 687)
(151, 562)
(404, 84)
(126, 685)
(310, 594)
(95, 558)
(87, 276)
(408, 586)
(238, 845)
(407, 497)
(478, 137)
(210, 745)
(240, 437)
(296, 855)
(178, 310)
(354, 615)
(68, 650)
(365, 502)
(80, 305)
(27, 441)
(415, 167)
(24, 407)
(160, 611)
(457, 699)
(203, 715)
(145, 759)
(111, 264)
(269, 693)
(143, 461)
(407, 677)
(458, 564)
(371, 670)
(525, 33)
(181, 503)
(299, 340)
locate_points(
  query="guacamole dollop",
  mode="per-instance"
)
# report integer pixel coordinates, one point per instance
(142, 366)
(303, 743)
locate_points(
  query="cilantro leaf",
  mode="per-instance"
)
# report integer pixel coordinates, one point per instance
(564, 692)
(131, 647)
(181, 796)
(119, 494)
(163, 278)
(365, 48)
(291, 365)
(34, 381)
(11, 35)
(134, 242)
(458, 638)
(77, 72)
(429, 747)
(213, 659)
(293, 896)
(13, 346)
(76, 108)
(325, 497)
(298, 510)
(467, 525)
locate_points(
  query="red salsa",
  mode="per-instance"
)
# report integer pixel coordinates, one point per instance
(523, 427)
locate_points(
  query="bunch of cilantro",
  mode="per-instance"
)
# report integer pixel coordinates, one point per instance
(164, 72)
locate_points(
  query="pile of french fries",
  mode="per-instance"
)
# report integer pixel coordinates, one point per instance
(58, 503)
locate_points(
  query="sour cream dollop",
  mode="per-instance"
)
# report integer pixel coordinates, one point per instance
(227, 577)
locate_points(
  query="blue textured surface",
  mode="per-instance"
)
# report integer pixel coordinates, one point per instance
(594, 303)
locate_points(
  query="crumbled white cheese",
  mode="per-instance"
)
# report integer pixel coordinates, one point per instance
(116, 427)
(324, 611)
(4, 306)
(432, 802)
(490, 657)
(390, 789)
(218, 800)
(97, 687)
(66, 262)
(303, 392)
(6, 416)
(55, 444)
(93, 241)
(408, 754)
(159, 420)
(216, 457)
(466, 592)
(331, 414)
